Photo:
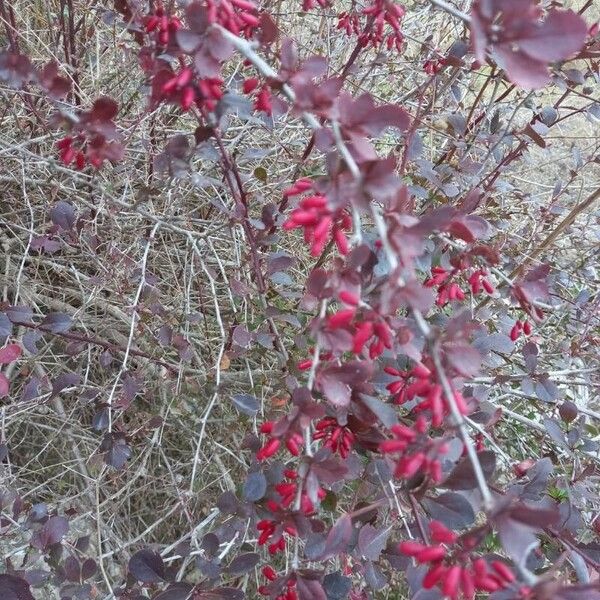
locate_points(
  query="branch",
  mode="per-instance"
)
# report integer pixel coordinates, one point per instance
(462, 428)
(452, 10)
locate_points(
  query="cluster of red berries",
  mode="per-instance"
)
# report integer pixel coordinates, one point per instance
(448, 290)
(381, 13)
(293, 442)
(80, 151)
(453, 570)
(289, 489)
(237, 16)
(418, 452)
(318, 222)
(337, 438)
(262, 100)
(271, 575)
(272, 530)
(306, 364)
(420, 382)
(183, 89)
(384, 12)
(372, 331)
(433, 66)
(71, 151)
(349, 22)
(518, 328)
(162, 25)
(310, 4)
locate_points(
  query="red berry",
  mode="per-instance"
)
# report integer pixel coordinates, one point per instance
(250, 85)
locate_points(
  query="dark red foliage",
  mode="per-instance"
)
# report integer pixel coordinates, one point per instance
(522, 40)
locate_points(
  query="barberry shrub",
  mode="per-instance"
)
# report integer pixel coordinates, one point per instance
(300, 300)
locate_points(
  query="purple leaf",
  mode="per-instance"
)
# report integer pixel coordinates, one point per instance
(530, 356)
(115, 449)
(241, 336)
(246, 404)
(30, 339)
(51, 533)
(336, 586)
(64, 381)
(338, 537)
(57, 323)
(452, 509)
(546, 390)
(19, 314)
(465, 359)
(14, 588)
(255, 486)
(243, 563)
(63, 215)
(5, 327)
(384, 412)
(309, 588)
(9, 353)
(555, 431)
(560, 36)
(177, 591)
(463, 477)
(372, 541)
(147, 566)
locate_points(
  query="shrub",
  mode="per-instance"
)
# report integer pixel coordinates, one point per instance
(294, 324)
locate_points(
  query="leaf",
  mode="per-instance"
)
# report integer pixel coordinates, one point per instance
(546, 390)
(452, 509)
(555, 431)
(64, 381)
(560, 36)
(336, 586)
(538, 475)
(374, 577)
(6, 327)
(243, 563)
(177, 591)
(372, 541)
(308, 588)
(29, 341)
(338, 537)
(14, 588)
(57, 323)
(9, 353)
(104, 109)
(517, 540)
(246, 404)
(188, 41)
(4, 385)
(115, 449)
(62, 214)
(241, 336)
(465, 359)
(463, 477)
(255, 486)
(52, 532)
(530, 356)
(147, 566)
(88, 568)
(384, 412)
(335, 390)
